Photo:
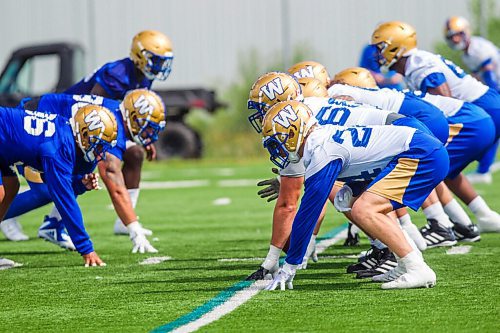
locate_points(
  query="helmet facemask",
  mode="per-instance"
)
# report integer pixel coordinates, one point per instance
(157, 66)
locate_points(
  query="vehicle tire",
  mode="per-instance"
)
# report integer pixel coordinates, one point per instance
(178, 140)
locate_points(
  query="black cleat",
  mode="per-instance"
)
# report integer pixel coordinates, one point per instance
(259, 274)
(352, 237)
(387, 261)
(466, 233)
(435, 235)
(369, 260)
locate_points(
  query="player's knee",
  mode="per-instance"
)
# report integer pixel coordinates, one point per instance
(362, 210)
(134, 156)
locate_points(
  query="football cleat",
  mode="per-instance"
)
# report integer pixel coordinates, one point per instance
(421, 277)
(479, 178)
(262, 274)
(386, 262)
(435, 235)
(466, 233)
(53, 231)
(489, 223)
(370, 260)
(13, 230)
(390, 275)
(352, 236)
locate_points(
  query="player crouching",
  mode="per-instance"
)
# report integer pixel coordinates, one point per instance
(412, 163)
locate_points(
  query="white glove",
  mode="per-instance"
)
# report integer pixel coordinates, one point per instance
(342, 201)
(138, 237)
(284, 277)
(310, 253)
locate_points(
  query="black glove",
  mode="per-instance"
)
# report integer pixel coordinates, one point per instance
(272, 191)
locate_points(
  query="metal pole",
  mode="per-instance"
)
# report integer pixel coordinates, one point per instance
(286, 49)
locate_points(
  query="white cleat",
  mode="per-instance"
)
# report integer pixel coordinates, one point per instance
(415, 235)
(419, 277)
(479, 178)
(53, 231)
(121, 229)
(390, 275)
(489, 223)
(13, 230)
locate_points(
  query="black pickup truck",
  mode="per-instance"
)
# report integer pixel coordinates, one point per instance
(38, 69)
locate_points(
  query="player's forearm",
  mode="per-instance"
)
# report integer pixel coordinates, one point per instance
(10, 189)
(120, 198)
(282, 223)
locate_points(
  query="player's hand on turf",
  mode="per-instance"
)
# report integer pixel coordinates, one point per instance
(272, 191)
(342, 201)
(151, 152)
(92, 259)
(284, 278)
(91, 181)
(138, 237)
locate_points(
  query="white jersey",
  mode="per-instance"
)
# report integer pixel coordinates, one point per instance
(479, 52)
(338, 112)
(364, 151)
(421, 64)
(449, 106)
(386, 99)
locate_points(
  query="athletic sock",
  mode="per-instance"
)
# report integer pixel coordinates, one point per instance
(479, 207)
(456, 213)
(412, 260)
(405, 219)
(273, 257)
(436, 212)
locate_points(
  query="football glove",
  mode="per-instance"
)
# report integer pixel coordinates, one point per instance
(138, 237)
(310, 253)
(342, 201)
(263, 274)
(272, 191)
(284, 278)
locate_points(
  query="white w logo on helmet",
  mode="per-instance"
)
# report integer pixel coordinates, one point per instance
(143, 105)
(285, 115)
(272, 88)
(94, 121)
(304, 72)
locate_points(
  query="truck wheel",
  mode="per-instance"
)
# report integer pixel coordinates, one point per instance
(177, 140)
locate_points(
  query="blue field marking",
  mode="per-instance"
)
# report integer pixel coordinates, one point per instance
(226, 294)
(197, 313)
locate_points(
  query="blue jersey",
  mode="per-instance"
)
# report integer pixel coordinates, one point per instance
(67, 105)
(116, 78)
(45, 142)
(368, 60)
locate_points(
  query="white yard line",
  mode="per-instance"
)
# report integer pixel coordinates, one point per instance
(231, 298)
(462, 249)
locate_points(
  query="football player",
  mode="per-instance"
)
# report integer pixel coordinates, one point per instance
(150, 59)
(471, 134)
(482, 57)
(406, 165)
(430, 73)
(140, 116)
(56, 146)
(426, 71)
(268, 90)
(310, 69)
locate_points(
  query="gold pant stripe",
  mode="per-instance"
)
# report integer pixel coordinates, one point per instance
(32, 175)
(394, 184)
(454, 130)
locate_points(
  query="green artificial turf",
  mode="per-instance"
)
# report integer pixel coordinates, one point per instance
(53, 292)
